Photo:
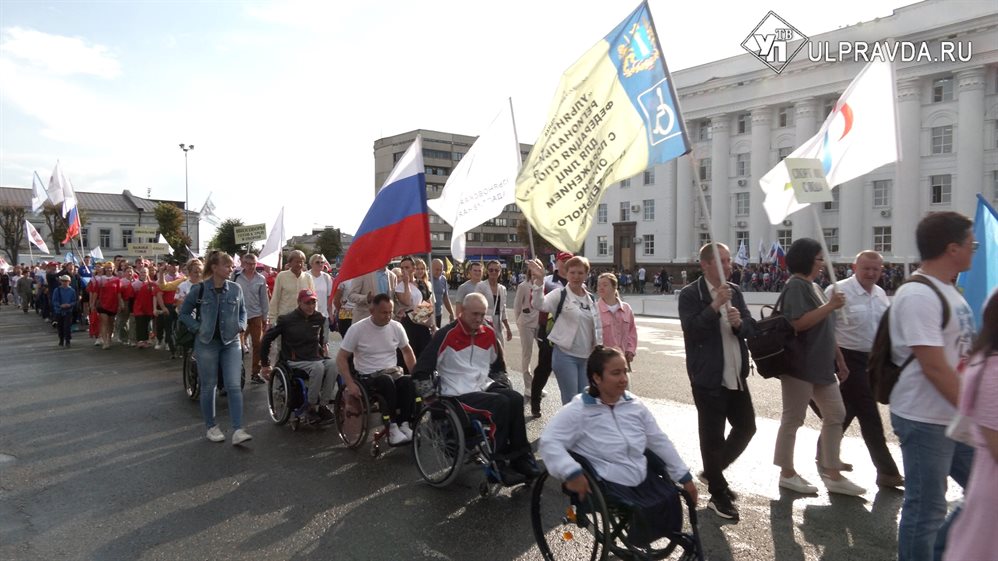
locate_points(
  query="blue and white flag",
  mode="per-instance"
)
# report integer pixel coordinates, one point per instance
(97, 254)
(741, 258)
(982, 277)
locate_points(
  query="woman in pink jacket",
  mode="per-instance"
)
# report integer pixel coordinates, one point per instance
(617, 317)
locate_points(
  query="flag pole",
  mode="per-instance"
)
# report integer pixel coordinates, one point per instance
(516, 139)
(828, 259)
(706, 214)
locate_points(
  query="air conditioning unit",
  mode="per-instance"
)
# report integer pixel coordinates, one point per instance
(742, 224)
(635, 208)
(704, 186)
(885, 213)
(742, 182)
(703, 225)
(788, 222)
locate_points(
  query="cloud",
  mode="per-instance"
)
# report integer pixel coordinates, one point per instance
(58, 54)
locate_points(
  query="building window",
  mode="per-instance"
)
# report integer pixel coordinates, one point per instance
(649, 176)
(832, 239)
(785, 116)
(703, 130)
(785, 237)
(457, 156)
(104, 237)
(434, 189)
(512, 208)
(782, 153)
(942, 90)
(601, 246)
(439, 236)
(832, 204)
(882, 239)
(438, 154)
(126, 237)
(743, 166)
(702, 214)
(744, 123)
(741, 204)
(882, 193)
(705, 169)
(648, 207)
(649, 244)
(513, 238)
(940, 189)
(601, 213)
(703, 238)
(625, 211)
(85, 237)
(742, 237)
(625, 183)
(942, 139)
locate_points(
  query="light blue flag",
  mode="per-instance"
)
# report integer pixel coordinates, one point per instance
(982, 277)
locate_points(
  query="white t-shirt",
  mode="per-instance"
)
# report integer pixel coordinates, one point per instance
(323, 285)
(916, 315)
(373, 346)
(182, 290)
(345, 302)
(579, 311)
(415, 296)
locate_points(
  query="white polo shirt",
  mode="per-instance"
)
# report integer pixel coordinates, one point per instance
(862, 312)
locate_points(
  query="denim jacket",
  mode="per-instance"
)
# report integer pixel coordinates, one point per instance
(232, 317)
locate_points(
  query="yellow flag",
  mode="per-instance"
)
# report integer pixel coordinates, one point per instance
(448, 267)
(615, 114)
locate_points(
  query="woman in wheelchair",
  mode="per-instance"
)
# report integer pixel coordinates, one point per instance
(611, 428)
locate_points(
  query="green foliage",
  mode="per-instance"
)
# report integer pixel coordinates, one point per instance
(225, 237)
(328, 244)
(57, 225)
(12, 230)
(172, 225)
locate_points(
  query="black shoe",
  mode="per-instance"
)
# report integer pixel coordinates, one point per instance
(67, 344)
(723, 506)
(256, 379)
(731, 494)
(510, 477)
(311, 418)
(526, 465)
(61, 343)
(325, 415)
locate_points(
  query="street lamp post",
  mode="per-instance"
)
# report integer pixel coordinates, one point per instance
(187, 203)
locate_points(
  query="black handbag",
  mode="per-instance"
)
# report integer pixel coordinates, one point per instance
(777, 349)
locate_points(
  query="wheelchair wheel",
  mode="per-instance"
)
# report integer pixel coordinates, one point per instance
(438, 444)
(279, 396)
(567, 528)
(352, 419)
(192, 385)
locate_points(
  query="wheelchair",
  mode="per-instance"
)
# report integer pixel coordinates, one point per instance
(192, 384)
(449, 435)
(569, 528)
(353, 415)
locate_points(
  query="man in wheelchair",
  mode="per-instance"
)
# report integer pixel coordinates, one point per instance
(469, 362)
(612, 428)
(371, 344)
(303, 345)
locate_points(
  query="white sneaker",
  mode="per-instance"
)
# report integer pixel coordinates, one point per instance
(396, 436)
(842, 486)
(544, 393)
(799, 484)
(406, 430)
(240, 436)
(97, 343)
(159, 346)
(215, 434)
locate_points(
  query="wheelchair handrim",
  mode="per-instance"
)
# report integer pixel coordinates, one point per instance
(566, 540)
(277, 398)
(438, 445)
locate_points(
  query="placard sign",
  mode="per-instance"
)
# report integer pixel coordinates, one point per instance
(251, 233)
(148, 248)
(808, 180)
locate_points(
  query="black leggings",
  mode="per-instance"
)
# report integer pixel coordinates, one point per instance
(398, 397)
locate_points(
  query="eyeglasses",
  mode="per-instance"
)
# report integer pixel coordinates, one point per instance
(974, 245)
(494, 270)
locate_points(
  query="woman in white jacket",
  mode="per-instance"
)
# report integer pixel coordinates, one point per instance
(612, 428)
(577, 328)
(495, 295)
(526, 323)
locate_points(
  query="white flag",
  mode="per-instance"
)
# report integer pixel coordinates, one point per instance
(483, 183)
(271, 252)
(38, 194)
(97, 254)
(858, 136)
(163, 240)
(208, 212)
(35, 237)
(69, 196)
(741, 259)
(55, 193)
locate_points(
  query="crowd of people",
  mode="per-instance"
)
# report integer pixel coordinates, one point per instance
(395, 339)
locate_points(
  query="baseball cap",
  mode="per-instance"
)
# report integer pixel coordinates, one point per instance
(306, 294)
(563, 256)
(64, 278)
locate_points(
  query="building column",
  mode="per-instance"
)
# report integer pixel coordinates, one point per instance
(969, 140)
(906, 196)
(805, 125)
(685, 203)
(720, 192)
(667, 172)
(760, 160)
(854, 215)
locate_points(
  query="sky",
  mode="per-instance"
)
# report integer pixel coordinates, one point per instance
(283, 101)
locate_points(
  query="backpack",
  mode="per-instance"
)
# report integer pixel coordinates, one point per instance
(777, 349)
(880, 367)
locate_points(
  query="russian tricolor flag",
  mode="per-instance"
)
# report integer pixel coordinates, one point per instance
(397, 222)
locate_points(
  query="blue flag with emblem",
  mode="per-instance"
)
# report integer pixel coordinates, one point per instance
(982, 277)
(615, 114)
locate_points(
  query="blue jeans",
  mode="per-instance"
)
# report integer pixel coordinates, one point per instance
(929, 457)
(230, 356)
(570, 372)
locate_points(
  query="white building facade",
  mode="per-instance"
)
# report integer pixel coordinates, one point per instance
(743, 118)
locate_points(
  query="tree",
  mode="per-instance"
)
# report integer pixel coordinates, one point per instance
(541, 246)
(57, 225)
(225, 237)
(12, 230)
(328, 243)
(171, 226)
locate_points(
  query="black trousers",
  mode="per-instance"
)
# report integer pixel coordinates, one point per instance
(398, 396)
(715, 408)
(542, 371)
(860, 404)
(65, 326)
(506, 408)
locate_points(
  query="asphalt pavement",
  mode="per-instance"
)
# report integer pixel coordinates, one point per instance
(103, 457)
